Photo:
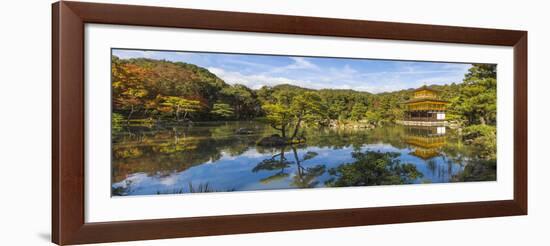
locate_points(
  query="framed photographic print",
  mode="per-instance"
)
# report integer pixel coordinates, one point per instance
(176, 122)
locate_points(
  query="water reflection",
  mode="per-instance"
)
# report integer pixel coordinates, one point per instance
(208, 157)
(426, 141)
(304, 177)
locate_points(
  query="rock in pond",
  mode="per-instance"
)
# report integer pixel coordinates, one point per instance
(274, 140)
(244, 131)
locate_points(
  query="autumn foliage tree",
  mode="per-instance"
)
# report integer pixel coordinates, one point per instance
(128, 83)
(147, 88)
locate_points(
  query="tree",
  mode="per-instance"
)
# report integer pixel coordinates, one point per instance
(373, 117)
(306, 177)
(338, 110)
(276, 162)
(358, 111)
(484, 138)
(481, 71)
(306, 107)
(178, 105)
(222, 110)
(278, 112)
(477, 97)
(244, 100)
(288, 110)
(129, 92)
(278, 116)
(132, 100)
(373, 168)
(138, 84)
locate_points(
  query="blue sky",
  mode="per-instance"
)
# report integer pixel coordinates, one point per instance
(256, 71)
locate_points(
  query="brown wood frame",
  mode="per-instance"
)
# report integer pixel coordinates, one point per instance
(68, 224)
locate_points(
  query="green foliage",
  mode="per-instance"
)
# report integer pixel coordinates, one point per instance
(481, 71)
(340, 103)
(243, 99)
(117, 122)
(373, 117)
(476, 100)
(222, 110)
(178, 105)
(358, 111)
(278, 116)
(289, 110)
(307, 108)
(484, 137)
(478, 170)
(373, 168)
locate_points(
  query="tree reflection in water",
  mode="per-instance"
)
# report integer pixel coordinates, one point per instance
(373, 168)
(305, 177)
(276, 162)
(216, 156)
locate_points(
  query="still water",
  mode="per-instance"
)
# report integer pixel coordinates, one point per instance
(224, 156)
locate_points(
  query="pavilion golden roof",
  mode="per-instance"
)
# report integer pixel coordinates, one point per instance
(415, 100)
(431, 97)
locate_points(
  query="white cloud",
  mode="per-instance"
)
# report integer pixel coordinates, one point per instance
(257, 81)
(302, 63)
(247, 64)
(252, 81)
(299, 63)
(127, 54)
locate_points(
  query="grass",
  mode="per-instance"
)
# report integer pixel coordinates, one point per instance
(201, 188)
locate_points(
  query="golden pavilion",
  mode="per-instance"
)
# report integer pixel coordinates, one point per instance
(425, 141)
(425, 108)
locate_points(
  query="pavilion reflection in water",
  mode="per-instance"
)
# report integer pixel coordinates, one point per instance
(426, 141)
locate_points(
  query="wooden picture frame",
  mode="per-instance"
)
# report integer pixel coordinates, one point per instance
(68, 223)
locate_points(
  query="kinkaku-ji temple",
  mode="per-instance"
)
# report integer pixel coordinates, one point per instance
(425, 141)
(425, 108)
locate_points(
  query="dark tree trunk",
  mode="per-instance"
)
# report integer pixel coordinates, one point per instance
(299, 169)
(130, 115)
(184, 115)
(296, 128)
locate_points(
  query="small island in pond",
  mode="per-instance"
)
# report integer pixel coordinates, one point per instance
(192, 122)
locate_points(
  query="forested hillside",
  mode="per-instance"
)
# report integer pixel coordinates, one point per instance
(164, 91)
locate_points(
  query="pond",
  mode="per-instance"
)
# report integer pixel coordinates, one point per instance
(224, 156)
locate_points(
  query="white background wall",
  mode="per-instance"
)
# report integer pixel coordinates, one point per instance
(25, 121)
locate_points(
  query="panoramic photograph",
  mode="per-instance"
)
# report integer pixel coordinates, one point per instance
(196, 122)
